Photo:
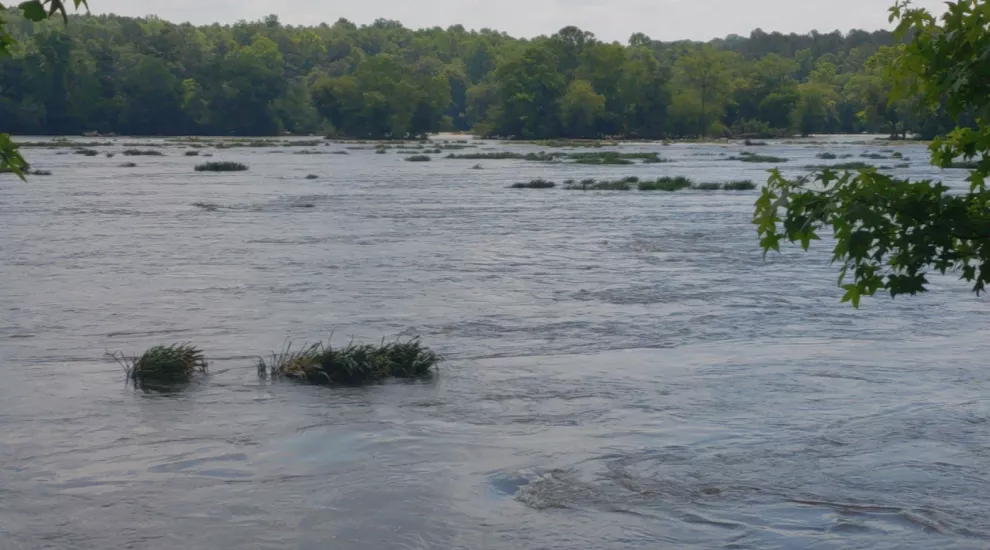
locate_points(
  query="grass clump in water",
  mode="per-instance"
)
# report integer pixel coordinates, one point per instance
(142, 153)
(874, 156)
(665, 183)
(224, 166)
(353, 364)
(751, 157)
(827, 156)
(419, 158)
(534, 184)
(192, 153)
(855, 165)
(965, 164)
(174, 363)
(751, 143)
(128, 165)
(624, 184)
(87, 152)
(737, 185)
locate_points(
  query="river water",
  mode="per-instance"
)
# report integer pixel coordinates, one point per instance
(624, 370)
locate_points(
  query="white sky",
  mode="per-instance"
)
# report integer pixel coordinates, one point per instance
(609, 19)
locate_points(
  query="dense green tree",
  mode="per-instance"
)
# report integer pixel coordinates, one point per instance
(890, 232)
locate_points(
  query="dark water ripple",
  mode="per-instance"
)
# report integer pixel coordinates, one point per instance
(625, 370)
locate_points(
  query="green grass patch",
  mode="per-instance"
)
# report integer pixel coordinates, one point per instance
(665, 183)
(419, 158)
(142, 153)
(352, 365)
(224, 166)
(751, 157)
(173, 363)
(534, 184)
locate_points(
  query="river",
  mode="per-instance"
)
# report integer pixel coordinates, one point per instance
(623, 370)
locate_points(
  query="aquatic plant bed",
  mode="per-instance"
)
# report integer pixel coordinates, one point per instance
(354, 364)
(226, 166)
(173, 363)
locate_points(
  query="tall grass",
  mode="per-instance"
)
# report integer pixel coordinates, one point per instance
(224, 166)
(534, 184)
(172, 363)
(354, 364)
(665, 183)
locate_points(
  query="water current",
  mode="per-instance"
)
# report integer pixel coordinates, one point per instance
(624, 369)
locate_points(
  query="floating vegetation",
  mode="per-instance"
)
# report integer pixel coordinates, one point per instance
(737, 185)
(86, 152)
(751, 157)
(312, 177)
(351, 365)
(534, 184)
(419, 158)
(665, 183)
(128, 165)
(225, 166)
(174, 363)
(192, 153)
(140, 152)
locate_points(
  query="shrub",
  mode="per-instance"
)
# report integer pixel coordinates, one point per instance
(225, 166)
(192, 153)
(418, 158)
(139, 153)
(174, 363)
(665, 184)
(351, 365)
(535, 184)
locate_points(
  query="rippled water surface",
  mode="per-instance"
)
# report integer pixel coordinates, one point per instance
(624, 370)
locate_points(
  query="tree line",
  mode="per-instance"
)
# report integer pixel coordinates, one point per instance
(147, 76)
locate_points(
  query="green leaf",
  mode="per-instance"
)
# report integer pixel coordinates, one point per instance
(33, 10)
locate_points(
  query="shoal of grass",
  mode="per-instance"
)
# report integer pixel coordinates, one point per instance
(142, 152)
(602, 161)
(128, 165)
(352, 365)
(312, 177)
(827, 156)
(38, 172)
(419, 158)
(750, 157)
(172, 363)
(192, 153)
(665, 183)
(86, 152)
(874, 156)
(225, 166)
(507, 155)
(897, 155)
(903, 165)
(534, 184)
(208, 206)
(737, 185)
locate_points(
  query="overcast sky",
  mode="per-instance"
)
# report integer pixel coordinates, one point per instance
(608, 19)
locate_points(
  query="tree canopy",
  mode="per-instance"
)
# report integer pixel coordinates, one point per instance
(889, 233)
(146, 76)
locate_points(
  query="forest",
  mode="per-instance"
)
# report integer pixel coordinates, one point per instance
(146, 76)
